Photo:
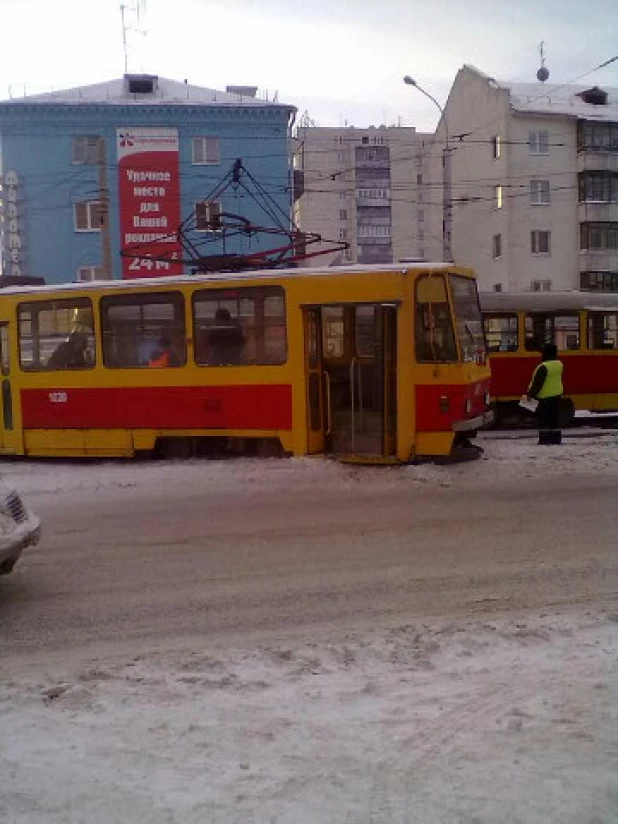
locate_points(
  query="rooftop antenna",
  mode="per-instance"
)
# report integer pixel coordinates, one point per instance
(543, 72)
(132, 13)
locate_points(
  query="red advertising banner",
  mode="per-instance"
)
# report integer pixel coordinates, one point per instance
(149, 193)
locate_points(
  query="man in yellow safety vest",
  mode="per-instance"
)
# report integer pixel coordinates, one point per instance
(546, 388)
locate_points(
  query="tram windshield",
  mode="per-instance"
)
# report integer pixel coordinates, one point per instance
(468, 319)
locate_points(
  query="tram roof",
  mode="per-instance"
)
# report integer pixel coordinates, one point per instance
(235, 277)
(547, 301)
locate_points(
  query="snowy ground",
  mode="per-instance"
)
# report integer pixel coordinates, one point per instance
(497, 717)
(508, 456)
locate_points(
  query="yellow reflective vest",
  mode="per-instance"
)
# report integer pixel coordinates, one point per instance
(552, 385)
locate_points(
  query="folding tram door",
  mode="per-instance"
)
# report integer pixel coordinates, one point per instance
(8, 436)
(351, 368)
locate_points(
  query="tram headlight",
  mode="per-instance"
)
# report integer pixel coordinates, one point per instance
(468, 406)
(487, 398)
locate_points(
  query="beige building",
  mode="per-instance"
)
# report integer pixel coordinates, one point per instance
(533, 198)
(364, 187)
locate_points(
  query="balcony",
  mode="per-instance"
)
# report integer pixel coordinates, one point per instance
(605, 260)
(592, 161)
(597, 212)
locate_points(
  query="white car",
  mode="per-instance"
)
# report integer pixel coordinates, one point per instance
(19, 528)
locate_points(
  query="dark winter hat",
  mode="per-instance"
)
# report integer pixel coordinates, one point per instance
(550, 351)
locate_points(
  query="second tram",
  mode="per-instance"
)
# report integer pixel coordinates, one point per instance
(584, 327)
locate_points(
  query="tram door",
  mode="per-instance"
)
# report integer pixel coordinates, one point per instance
(357, 390)
(7, 436)
(317, 386)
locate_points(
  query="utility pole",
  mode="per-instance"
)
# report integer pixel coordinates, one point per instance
(106, 248)
(447, 197)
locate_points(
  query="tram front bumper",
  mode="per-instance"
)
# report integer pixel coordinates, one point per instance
(472, 424)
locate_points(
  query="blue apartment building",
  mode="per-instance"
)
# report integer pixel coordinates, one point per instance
(90, 171)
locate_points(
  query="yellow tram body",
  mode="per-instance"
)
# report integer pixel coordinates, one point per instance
(370, 363)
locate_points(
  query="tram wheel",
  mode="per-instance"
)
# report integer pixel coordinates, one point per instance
(175, 449)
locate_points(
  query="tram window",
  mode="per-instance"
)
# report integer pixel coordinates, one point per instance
(501, 332)
(143, 330)
(603, 330)
(364, 331)
(237, 327)
(435, 338)
(56, 335)
(333, 326)
(563, 330)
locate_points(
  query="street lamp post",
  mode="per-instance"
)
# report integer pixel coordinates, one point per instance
(447, 204)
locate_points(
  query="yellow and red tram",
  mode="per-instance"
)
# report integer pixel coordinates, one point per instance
(584, 327)
(370, 363)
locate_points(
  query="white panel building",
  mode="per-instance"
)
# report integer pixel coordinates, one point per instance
(365, 187)
(534, 192)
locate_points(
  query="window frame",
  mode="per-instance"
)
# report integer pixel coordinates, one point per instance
(202, 140)
(536, 143)
(549, 336)
(535, 234)
(539, 188)
(261, 293)
(90, 151)
(94, 208)
(590, 331)
(499, 316)
(175, 298)
(212, 209)
(496, 246)
(68, 304)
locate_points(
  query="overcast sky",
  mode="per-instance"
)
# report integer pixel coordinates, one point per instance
(340, 60)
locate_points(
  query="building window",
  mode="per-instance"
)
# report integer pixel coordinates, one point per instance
(56, 335)
(343, 214)
(598, 187)
(421, 234)
(85, 150)
(88, 216)
(599, 281)
(497, 287)
(207, 215)
(496, 147)
(538, 142)
(343, 234)
(206, 151)
(540, 242)
(434, 333)
(497, 246)
(539, 192)
(597, 137)
(143, 330)
(88, 273)
(498, 197)
(365, 140)
(419, 179)
(597, 237)
(421, 216)
(421, 251)
(240, 326)
(342, 195)
(540, 285)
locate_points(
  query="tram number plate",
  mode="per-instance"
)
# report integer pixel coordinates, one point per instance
(58, 397)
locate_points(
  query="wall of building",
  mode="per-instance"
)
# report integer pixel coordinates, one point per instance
(37, 146)
(360, 186)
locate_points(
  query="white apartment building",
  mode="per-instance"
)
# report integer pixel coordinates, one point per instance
(364, 187)
(534, 183)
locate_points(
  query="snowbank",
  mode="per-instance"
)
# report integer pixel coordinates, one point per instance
(499, 721)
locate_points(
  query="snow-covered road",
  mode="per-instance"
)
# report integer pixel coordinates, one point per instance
(299, 641)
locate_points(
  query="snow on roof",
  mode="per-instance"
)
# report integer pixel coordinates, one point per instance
(562, 99)
(165, 92)
(235, 277)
